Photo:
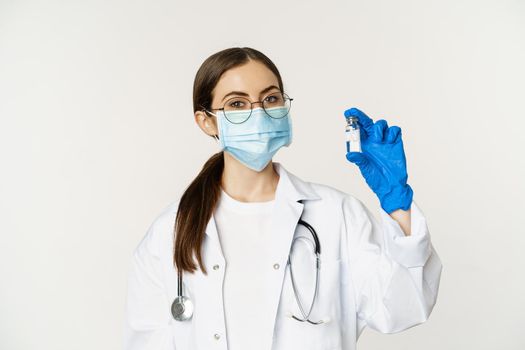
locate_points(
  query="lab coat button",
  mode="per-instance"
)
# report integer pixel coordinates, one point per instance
(217, 336)
(215, 267)
(276, 266)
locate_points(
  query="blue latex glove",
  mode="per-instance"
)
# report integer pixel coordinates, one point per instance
(382, 161)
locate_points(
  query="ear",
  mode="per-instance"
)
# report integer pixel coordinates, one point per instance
(206, 122)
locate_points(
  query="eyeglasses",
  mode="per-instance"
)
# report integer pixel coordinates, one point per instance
(238, 109)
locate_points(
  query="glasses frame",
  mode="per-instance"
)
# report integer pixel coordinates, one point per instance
(285, 96)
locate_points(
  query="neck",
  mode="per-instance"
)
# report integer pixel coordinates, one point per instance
(247, 185)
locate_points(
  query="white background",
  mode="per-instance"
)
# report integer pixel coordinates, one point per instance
(97, 136)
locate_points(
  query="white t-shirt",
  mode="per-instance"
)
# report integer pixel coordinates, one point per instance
(245, 237)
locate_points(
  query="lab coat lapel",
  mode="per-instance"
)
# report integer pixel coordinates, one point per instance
(288, 210)
(287, 213)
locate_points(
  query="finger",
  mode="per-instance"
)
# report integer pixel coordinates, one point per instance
(357, 158)
(392, 134)
(379, 130)
(365, 121)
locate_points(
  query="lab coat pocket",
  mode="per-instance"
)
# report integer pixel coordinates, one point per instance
(326, 308)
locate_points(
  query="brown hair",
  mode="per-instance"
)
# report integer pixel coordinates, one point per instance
(198, 201)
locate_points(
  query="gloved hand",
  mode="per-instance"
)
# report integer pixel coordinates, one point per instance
(382, 161)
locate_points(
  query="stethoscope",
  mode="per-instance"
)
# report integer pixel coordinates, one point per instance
(182, 306)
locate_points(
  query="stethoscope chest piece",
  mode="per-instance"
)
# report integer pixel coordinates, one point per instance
(182, 308)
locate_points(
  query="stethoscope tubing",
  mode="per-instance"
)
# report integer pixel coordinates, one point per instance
(306, 317)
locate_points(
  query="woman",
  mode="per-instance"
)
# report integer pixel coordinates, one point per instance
(240, 220)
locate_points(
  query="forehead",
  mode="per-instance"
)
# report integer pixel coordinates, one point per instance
(251, 78)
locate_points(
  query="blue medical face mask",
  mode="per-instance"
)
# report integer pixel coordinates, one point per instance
(255, 141)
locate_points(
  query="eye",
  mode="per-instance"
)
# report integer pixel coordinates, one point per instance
(236, 104)
(271, 99)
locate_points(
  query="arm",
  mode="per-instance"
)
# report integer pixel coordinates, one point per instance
(147, 316)
(395, 277)
(403, 218)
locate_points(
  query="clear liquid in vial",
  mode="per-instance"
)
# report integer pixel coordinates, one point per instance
(353, 136)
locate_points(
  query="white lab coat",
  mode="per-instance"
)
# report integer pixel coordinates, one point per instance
(371, 275)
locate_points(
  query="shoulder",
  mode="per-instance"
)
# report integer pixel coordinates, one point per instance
(352, 211)
(336, 196)
(160, 232)
(356, 219)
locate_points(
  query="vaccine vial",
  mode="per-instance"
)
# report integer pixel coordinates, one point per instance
(353, 137)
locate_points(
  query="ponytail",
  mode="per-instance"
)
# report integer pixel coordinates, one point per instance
(195, 209)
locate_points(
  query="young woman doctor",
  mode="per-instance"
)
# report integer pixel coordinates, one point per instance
(263, 281)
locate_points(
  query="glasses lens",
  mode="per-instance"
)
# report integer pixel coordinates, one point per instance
(277, 105)
(237, 110)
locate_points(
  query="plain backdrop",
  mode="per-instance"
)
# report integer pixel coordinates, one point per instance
(97, 136)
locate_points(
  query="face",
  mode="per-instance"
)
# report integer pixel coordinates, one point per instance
(252, 80)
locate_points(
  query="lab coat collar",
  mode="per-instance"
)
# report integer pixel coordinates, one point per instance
(292, 186)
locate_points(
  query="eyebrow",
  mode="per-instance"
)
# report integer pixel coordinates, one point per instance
(242, 93)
